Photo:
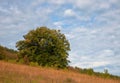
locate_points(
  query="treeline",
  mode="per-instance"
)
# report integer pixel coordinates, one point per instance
(7, 54)
(91, 72)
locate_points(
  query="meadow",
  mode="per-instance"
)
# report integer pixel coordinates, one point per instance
(19, 73)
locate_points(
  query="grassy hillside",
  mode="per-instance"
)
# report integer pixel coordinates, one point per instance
(16, 73)
(7, 54)
(20, 73)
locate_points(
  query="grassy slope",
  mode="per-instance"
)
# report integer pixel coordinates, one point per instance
(16, 73)
(7, 54)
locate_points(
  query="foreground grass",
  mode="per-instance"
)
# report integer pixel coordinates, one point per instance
(16, 73)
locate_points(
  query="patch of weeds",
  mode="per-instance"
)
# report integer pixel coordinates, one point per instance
(34, 64)
(69, 80)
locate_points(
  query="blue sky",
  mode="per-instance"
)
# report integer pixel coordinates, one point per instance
(91, 26)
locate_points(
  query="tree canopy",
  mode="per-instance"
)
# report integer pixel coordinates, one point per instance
(47, 47)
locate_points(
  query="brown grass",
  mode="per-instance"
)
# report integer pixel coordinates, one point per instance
(15, 73)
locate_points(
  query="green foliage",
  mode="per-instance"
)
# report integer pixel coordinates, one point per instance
(2, 56)
(90, 71)
(47, 47)
(34, 64)
(105, 71)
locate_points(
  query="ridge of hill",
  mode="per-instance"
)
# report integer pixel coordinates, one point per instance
(17, 73)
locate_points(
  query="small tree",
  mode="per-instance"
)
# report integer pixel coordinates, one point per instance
(105, 71)
(47, 47)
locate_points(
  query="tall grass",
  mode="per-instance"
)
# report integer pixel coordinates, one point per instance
(16, 73)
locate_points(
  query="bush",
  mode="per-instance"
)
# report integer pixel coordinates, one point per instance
(2, 56)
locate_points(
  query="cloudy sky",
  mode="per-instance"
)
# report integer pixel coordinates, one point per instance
(91, 26)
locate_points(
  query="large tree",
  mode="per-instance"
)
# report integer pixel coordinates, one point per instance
(47, 47)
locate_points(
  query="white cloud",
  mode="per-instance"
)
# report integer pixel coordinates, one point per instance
(108, 52)
(69, 12)
(104, 5)
(53, 2)
(15, 10)
(4, 10)
(58, 2)
(58, 23)
(80, 30)
(94, 44)
(37, 2)
(82, 3)
(69, 36)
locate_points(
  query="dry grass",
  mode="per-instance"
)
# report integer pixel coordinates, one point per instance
(14, 73)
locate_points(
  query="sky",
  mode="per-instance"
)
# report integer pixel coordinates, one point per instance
(91, 26)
